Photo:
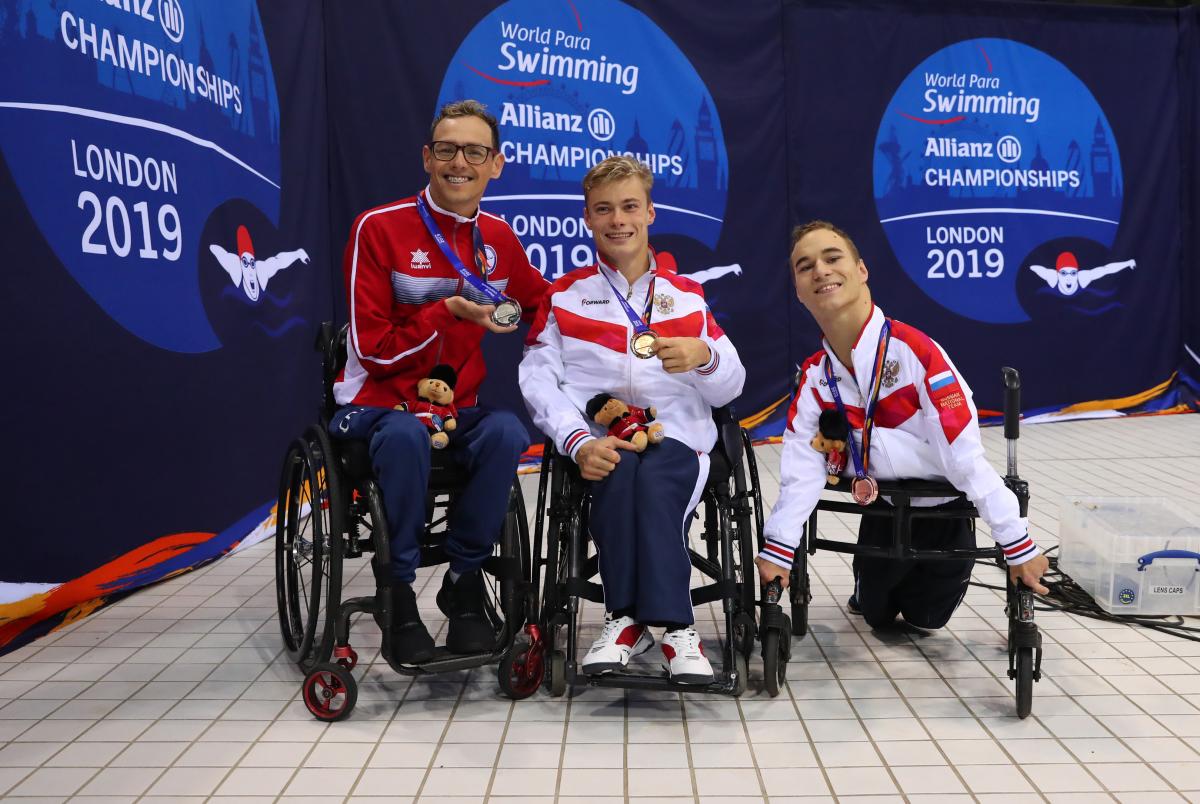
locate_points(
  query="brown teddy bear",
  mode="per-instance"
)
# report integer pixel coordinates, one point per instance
(832, 433)
(435, 404)
(626, 422)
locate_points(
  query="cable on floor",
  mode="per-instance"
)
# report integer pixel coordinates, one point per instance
(1070, 598)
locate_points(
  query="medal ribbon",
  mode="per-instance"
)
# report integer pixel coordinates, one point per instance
(640, 323)
(493, 295)
(860, 462)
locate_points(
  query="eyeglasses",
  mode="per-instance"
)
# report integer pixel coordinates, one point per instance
(446, 151)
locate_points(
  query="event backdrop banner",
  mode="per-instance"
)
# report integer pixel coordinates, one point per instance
(1013, 183)
(166, 264)
(178, 179)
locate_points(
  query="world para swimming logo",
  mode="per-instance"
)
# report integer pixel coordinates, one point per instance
(988, 151)
(572, 84)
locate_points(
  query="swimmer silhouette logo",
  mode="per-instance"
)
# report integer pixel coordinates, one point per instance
(125, 125)
(571, 84)
(990, 156)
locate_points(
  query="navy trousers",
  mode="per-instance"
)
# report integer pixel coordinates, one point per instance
(925, 592)
(638, 519)
(488, 443)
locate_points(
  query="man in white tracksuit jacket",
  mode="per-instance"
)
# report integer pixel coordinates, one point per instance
(925, 426)
(582, 344)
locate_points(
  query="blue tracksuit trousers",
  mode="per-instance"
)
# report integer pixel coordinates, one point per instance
(488, 443)
(638, 521)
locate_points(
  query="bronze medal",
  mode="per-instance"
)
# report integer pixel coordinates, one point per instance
(864, 490)
(642, 343)
(507, 313)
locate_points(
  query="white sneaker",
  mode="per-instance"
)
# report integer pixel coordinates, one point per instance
(620, 640)
(686, 662)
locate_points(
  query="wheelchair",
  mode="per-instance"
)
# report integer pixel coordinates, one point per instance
(330, 510)
(732, 521)
(1024, 641)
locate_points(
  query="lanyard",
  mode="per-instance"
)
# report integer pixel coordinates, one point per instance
(640, 323)
(860, 463)
(493, 295)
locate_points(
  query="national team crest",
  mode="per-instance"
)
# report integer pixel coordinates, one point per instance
(489, 261)
(664, 304)
(420, 260)
(891, 372)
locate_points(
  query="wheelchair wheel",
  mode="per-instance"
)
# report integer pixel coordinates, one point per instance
(801, 595)
(308, 559)
(510, 593)
(747, 524)
(557, 674)
(521, 669)
(330, 692)
(774, 663)
(1024, 682)
(755, 489)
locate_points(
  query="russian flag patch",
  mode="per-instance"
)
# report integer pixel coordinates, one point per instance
(939, 381)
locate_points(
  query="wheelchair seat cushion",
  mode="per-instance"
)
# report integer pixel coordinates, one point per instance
(355, 458)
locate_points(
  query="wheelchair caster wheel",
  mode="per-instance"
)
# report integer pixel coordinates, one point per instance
(521, 670)
(775, 661)
(330, 692)
(345, 657)
(558, 674)
(1024, 678)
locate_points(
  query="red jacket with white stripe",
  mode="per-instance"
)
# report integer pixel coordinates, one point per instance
(397, 280)
(926, 427)
(579, 347)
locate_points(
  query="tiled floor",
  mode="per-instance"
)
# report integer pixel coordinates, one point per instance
(180, 692)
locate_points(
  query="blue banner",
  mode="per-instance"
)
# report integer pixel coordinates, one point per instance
(164, 184)
(1013, 185)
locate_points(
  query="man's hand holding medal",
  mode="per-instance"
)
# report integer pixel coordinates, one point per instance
(680, 355)
(482, 314)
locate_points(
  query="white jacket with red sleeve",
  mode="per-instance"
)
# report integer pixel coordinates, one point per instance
(926, 428)
(578, 347)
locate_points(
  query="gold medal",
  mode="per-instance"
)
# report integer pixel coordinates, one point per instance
(642, 343)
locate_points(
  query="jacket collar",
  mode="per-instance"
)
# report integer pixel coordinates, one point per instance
(862, 354)
(452, 215)
(618, 279)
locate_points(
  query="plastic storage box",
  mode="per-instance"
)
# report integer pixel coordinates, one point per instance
(1134, 555)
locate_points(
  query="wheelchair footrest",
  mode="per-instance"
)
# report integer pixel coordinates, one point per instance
(444, 661)
(638, 681)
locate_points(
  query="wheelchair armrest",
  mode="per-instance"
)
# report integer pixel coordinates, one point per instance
(729, 434)
(911, 489)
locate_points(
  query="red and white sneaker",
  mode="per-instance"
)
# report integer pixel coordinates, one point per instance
(686, 662)
(621, 639)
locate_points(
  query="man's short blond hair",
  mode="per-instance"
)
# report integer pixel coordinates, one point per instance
(468, 108)
(800, 232)
(617, 168)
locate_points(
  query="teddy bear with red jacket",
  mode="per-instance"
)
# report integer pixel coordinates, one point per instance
(435, 404)
(626, 422)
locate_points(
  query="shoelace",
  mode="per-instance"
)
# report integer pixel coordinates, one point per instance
(689, 641)
(610, 632)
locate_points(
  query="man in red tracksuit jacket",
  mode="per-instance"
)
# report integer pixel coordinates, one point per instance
(411, 309)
